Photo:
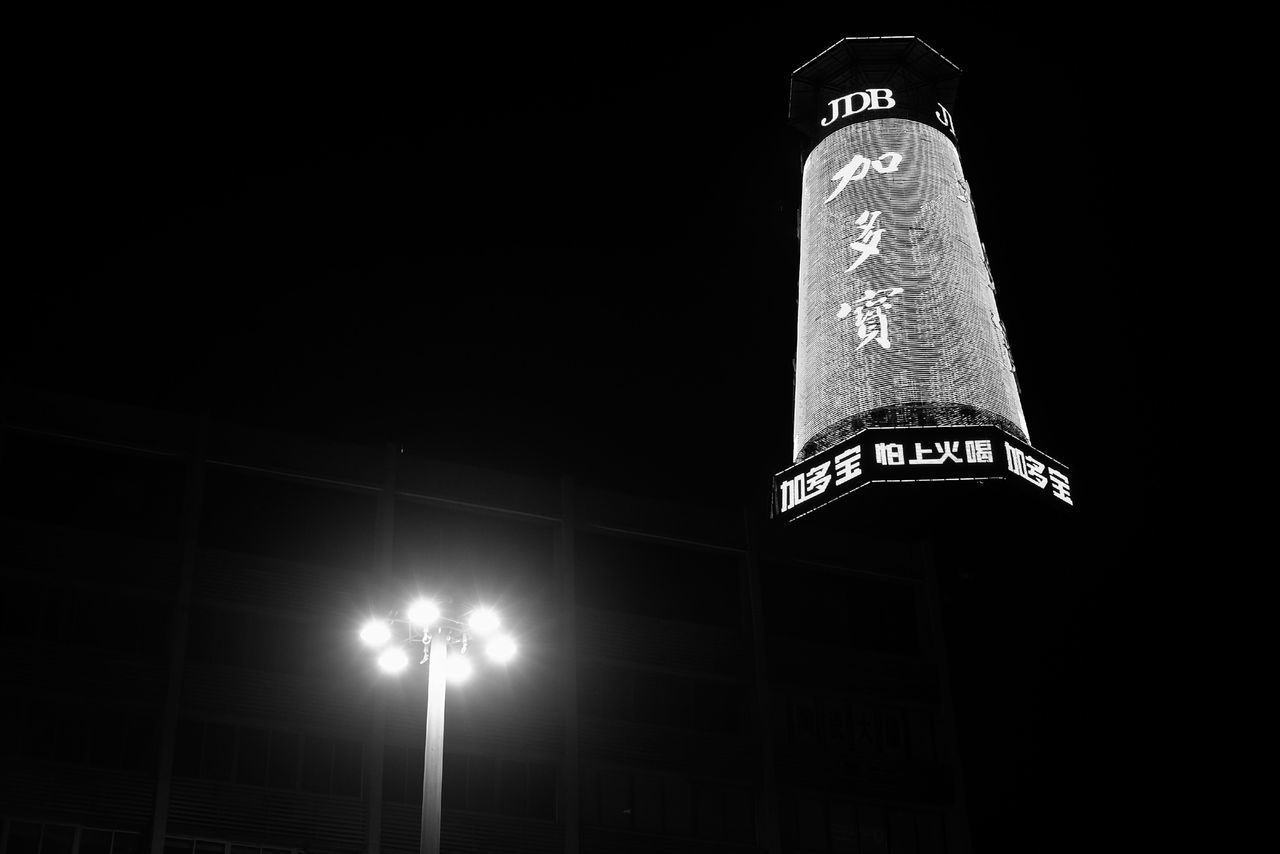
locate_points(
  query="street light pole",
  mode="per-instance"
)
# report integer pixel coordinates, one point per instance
(437, 632)
(433, 757)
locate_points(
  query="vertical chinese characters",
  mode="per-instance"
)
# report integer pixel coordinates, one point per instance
(869, 316)
(870, 319)
(868, 240)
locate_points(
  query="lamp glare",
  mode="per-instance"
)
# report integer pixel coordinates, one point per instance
(484, 620)
(375, 633)
(458, 668)
(423, 613)
(501, 649)
(393, 660)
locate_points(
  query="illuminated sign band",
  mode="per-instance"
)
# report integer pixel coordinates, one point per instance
(911, 454)
(876, 103)
(871, 99)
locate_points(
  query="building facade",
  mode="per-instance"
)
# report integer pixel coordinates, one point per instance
(182, 670)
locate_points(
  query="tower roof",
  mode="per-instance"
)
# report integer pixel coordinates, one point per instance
(858, 62)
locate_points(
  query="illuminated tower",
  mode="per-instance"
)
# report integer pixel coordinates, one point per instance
(898, 322)
(903, 369)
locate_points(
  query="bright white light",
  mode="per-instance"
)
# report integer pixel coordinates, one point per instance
(484, 620)
(375, 633)
(458, 668)
(501, 649)
(423, 613)
(393, 660)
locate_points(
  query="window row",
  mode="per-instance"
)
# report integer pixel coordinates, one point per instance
(821, 824)
(261, 642)
(255, 756)
(668, 804)
(521, 788)
(658, 580)
(76, 734)
(662, 699)
(115, 624)
(89, 557)
(58, 483)
(858, 727)
(850, 612)
(29, 837)
(305, 523)
(181, 845)
(52, 482)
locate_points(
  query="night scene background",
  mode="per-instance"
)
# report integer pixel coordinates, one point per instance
(554, 245)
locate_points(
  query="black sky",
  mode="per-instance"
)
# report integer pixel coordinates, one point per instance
(550, 243)
(533, 241)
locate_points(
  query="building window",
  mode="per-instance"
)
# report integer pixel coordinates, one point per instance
(849, 611)
(657, 580)
(109, 842)
(58, 483)
(276, 759)
(26, 837)
(656, 698)
(287, 520)
(113, 737)
(514, 787)
(273, 643)
(122, 624)
(332, 766)
(817, 822)
(715, 810)
(493, 556)
(182, 845)
(854, 726)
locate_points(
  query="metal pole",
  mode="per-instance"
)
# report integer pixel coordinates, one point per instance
(433, 760)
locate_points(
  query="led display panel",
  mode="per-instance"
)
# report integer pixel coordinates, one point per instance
(917, 454)
(898, 324)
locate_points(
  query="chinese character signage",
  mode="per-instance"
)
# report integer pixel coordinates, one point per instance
(901, 454)
(898, 323)
(903, 365)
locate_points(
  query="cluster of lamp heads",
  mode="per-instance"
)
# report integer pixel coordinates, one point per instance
(424, 616)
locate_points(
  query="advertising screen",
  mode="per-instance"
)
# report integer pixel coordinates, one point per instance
(918, 454)
(898, 324)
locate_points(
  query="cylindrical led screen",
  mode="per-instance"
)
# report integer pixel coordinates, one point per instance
(897, 318)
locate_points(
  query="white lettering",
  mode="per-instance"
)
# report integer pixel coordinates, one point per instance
(944, 117)
(871, 99)
(866, 102)
(836, 114)
(848, 464)
(804, 486)
(882, 98)
(889, 453)
(1060, 485)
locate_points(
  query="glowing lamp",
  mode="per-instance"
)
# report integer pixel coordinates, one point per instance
(375, 633)
(423, 613)
(484, 621)
(501, 649)
(393, 660)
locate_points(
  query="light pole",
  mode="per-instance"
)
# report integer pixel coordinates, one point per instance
(425, 624)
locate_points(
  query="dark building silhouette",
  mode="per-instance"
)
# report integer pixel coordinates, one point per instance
(183, 672)
(558, 274)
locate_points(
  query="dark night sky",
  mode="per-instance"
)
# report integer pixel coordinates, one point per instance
(564, 244)
(527, 247)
